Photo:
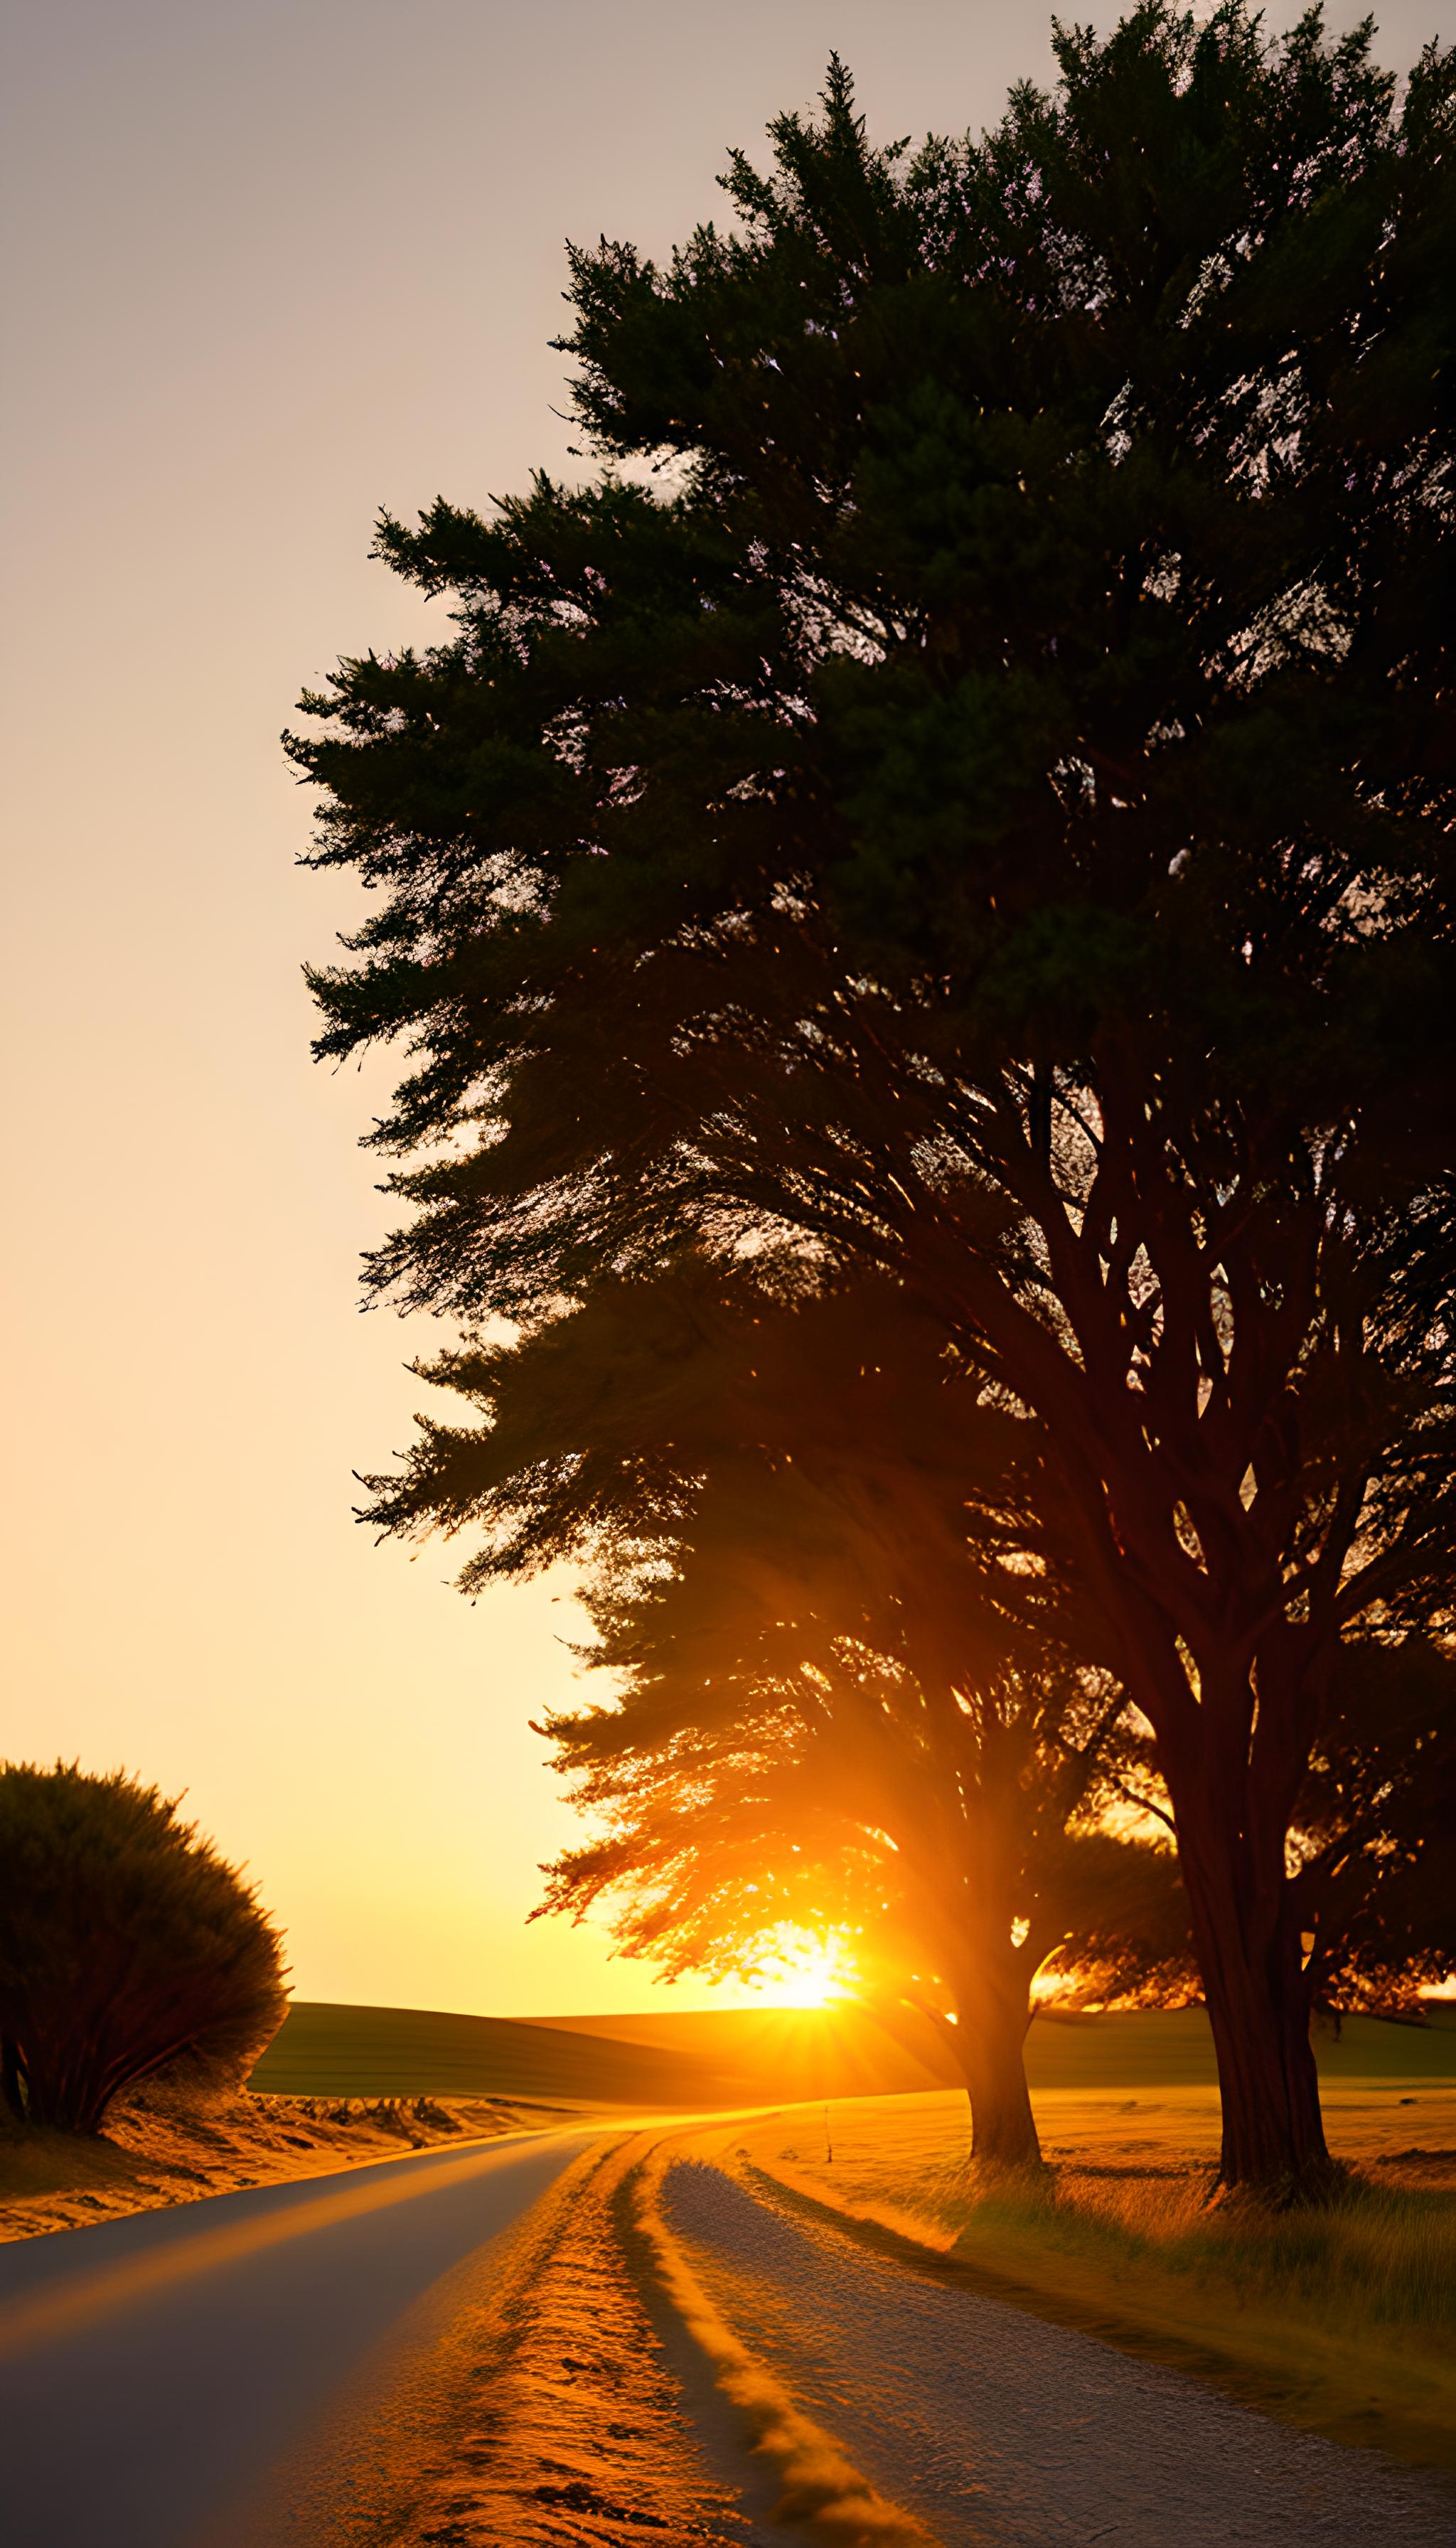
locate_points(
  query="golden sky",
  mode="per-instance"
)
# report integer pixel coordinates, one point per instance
(278, 265)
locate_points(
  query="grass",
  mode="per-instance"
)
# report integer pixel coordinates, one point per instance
(1170, 2047)
(155, 2152)
(730, 2056)
(545, 2416)
(327, 2048)
(1341, 2319)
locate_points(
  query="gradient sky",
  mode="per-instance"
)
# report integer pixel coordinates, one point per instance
(272, 266)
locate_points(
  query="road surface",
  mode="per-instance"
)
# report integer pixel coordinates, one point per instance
(999, 2431)
(153, 2370)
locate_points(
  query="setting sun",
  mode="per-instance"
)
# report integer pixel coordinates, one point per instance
(808, 1971)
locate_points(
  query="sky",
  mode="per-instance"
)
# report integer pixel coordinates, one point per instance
(270, 268)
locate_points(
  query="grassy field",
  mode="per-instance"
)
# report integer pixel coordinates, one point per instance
(788, 2052)
(328, 2049)
(1173, 2047)
(1343, 2321)
(737, 2055)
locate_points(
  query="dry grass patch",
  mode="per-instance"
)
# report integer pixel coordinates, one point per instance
(599, 2397)
(570, 2428)
(156, 2152)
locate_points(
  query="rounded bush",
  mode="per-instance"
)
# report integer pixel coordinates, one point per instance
(127, 1947)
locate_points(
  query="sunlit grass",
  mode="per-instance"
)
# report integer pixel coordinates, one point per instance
(1385, 2254)
(1341, 2318)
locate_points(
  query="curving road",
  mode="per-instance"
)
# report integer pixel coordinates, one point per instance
(154, 2370)
(267, 2370)
(1000, 2430)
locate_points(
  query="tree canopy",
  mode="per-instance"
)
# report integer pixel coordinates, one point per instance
(966, 793)
(127, 1947)
(1377, 1880)
(852, 1690)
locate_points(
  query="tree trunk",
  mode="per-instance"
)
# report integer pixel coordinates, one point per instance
(12, 2093)
(1245, 1932)
(990, 2045)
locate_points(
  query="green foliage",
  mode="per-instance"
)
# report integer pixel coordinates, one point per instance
(127, 1947)
(1008, 486)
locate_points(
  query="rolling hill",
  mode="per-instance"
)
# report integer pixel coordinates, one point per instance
(331, 2048)
(738, 2057)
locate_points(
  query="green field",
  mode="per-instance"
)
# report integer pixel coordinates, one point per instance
(334, 2049)
(784, 2052)
(733, 2057)
(1173, 2047)
(845, 2053)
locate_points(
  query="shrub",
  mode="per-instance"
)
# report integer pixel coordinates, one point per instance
(127, 1947)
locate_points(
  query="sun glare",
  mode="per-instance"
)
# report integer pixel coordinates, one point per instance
(808, 1973)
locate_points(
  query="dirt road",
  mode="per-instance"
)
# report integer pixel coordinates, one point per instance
(999, 2431)
(153, 2370)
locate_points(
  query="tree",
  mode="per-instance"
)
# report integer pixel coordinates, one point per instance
(847, 1645)
(829, 1795)
(1376, 1887)
(127, 1947)
(979, 806)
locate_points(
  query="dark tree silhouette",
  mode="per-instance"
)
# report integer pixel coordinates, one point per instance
(820, 1790)
(1376, 1889)
(982, 810)
(828, 1580)
(127, 1947)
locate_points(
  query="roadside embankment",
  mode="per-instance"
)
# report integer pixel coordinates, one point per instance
(155, 2152)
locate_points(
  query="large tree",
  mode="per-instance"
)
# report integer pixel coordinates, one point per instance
(976, 802)
(1376, 1881)
(781, 1776)
(832, 1584)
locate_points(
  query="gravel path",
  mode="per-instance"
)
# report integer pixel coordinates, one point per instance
(1002, 2431)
